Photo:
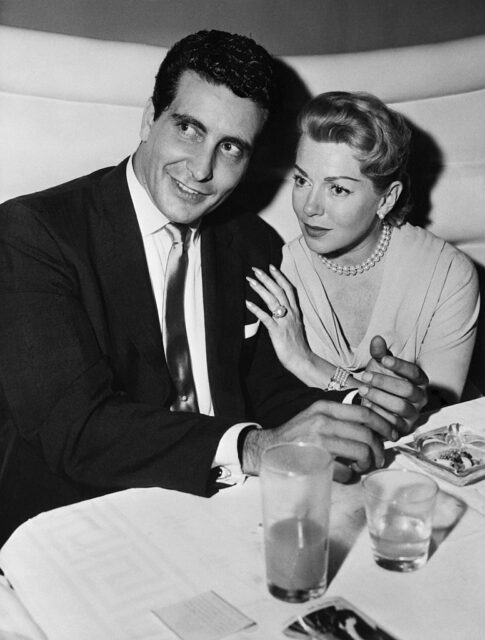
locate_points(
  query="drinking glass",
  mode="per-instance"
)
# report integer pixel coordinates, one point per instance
(296, 480)
(399, 506)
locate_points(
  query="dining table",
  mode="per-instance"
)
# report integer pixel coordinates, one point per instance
(157, 564)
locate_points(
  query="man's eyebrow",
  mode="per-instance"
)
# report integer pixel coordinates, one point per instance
(239, 142)
(300, 170)
(184, 117)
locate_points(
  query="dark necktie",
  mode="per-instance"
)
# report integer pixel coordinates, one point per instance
(176, 344)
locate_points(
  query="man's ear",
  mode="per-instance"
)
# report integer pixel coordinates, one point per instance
(389, 199)
(147, 120)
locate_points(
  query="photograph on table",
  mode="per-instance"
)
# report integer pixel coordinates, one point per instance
(337, 620)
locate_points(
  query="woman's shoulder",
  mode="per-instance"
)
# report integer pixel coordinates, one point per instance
(296, 250)
(294, 245)
(422, 238)
(427, 243)
(297, 259)
(408, 232)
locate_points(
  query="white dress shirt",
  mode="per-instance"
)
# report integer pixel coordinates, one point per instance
(157, 243)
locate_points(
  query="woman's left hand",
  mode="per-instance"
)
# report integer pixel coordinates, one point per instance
(286, 332)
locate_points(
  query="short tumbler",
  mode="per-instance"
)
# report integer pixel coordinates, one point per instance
(296, 480)
(399, 507)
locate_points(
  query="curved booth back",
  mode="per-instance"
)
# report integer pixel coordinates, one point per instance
(71, 105)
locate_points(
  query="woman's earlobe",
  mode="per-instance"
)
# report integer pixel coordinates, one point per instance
(385, 206)
(389, 199)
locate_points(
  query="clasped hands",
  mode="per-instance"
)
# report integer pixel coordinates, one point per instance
(392, 392)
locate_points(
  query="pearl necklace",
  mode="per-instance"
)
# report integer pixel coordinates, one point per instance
(353, 270)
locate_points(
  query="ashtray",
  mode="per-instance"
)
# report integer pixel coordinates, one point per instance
(452, 452)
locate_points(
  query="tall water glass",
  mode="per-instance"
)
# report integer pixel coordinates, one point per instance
(296, 480)
(399, 506)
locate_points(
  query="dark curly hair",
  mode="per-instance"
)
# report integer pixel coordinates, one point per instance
(221, 58)
(379, 135)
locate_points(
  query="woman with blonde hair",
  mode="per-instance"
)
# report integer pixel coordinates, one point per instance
(358, 268)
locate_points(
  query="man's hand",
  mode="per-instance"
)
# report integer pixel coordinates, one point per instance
(350, 432)
(394, 388)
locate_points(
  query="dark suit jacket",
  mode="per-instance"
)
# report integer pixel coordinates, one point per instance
(84, 388)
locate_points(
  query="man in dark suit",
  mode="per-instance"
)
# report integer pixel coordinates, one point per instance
(89, 402)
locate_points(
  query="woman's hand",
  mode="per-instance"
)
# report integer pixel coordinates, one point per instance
(287, 332)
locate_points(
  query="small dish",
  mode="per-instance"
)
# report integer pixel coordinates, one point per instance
(452, 452)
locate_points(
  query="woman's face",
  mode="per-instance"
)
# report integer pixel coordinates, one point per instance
(336, 205)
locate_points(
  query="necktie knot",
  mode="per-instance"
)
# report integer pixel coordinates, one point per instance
(180, 233)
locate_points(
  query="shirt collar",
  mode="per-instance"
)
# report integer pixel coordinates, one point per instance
(150, 218)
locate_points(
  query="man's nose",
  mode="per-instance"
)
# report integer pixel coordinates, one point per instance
(201, 164)
(315, 203)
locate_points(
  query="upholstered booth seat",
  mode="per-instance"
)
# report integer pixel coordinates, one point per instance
(71, 105)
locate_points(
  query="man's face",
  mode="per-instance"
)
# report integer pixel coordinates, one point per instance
(194, 155)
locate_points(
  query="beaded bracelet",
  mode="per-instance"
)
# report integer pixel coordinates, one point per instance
(338, 380)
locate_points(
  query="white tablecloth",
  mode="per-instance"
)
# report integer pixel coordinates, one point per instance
(98, 569)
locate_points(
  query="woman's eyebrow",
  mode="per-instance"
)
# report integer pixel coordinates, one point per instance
(333, 178)
(328, 178)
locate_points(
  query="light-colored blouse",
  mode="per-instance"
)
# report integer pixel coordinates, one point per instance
(426, 308)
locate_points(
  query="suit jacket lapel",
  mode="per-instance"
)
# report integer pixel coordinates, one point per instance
(124, 269)
(224, 312)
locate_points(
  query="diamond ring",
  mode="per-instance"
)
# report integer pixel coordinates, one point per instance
(279, 312)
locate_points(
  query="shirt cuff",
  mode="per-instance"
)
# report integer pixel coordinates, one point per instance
(227, 458)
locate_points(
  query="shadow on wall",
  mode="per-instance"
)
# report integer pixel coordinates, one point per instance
(275, 152)
(424, 167)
